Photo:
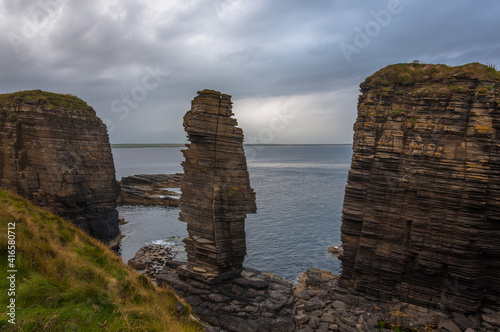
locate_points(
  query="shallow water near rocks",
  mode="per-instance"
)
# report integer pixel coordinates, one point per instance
(299, 191)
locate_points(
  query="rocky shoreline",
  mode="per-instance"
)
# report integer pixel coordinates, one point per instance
(315, 303)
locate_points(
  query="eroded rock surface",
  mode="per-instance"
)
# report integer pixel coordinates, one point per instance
(421, 214)
(55, 151)
(216, 193)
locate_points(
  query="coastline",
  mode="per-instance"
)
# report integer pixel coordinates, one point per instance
(181, 145)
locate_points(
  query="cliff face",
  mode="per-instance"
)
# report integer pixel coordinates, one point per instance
(421, 214)
(216, 193)
(55, 151)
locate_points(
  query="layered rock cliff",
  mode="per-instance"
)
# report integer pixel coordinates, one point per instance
(216, 193)
(55, 151)
(421, 214)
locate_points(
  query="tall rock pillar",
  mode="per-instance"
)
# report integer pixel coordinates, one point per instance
(216, 193)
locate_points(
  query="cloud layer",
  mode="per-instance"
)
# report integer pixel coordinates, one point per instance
(139, 63)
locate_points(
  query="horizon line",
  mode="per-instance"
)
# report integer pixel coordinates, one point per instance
(159, 145)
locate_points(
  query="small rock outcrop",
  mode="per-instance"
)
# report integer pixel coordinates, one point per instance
(421, 214)
(55, 151)
(150, 189)
(216, 193)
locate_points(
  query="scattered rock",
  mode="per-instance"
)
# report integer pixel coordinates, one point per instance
(199, 269)
(151, 258)
(301, 292)
(463, 322)
(353, 313)
(335, 250)
(450, 326)
(328, 318)
(301, 319)
(339, 305)
(492, 318)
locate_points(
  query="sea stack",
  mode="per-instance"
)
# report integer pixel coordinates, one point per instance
(421, 214)
(216, 193)
(55, 151)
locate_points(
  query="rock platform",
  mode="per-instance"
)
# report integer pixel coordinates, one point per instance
(150, 189)
(317, 303)
(251, 302)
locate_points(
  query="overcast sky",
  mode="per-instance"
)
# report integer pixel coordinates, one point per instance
(293, 67)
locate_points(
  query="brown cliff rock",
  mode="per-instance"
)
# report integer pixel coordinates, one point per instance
(216, 193)
(55, 151)
(421, 214)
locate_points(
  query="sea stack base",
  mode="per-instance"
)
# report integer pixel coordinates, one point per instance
(250, 302)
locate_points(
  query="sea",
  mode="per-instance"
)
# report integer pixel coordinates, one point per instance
(299, 191)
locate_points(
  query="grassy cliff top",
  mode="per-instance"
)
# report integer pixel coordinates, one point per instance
(67, 281)
(49, 100)
(408, 74)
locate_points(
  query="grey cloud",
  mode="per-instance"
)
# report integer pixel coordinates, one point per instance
(248, 49)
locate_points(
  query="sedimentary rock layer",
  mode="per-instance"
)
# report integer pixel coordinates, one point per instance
(421, 214)
(216, 193)
(150, 189)
(55, 151)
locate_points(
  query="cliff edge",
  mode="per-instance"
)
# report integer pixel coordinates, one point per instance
(55, 151)
(421, 214)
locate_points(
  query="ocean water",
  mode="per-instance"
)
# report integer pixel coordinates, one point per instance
(299, 192)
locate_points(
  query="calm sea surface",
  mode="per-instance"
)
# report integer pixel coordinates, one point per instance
(299, 201)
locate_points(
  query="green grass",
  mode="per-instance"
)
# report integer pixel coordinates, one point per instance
(48, 100)
(408, 74)
(67, 281)
(397, 111)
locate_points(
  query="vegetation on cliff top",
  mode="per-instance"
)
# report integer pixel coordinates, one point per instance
(408, 74)
(67, 281)
(48, 100)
